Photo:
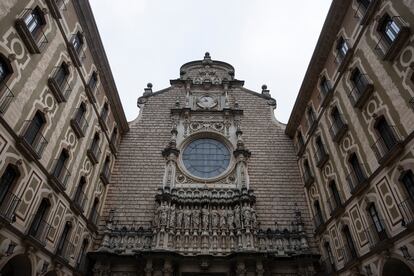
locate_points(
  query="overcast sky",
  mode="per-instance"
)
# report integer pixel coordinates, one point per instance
(267, 41)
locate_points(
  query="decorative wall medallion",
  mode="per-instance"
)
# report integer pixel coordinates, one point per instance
(206, 102)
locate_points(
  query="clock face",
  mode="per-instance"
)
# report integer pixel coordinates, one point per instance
(206, 102)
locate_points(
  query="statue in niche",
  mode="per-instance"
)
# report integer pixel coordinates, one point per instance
(254, 218)
(196, 218)
(230, 217)
(179, 221)
(172, 216)
(215, 218)
(187, 217)
(205, 217)
(247, 215)
(156, 222)
(163, 214)
(237, 221)
(223, 215)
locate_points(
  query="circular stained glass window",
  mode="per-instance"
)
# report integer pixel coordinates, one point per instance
(206, 158)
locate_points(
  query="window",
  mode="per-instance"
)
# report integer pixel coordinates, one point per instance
(106, 170)
(93, 81)
(375, 219)
(306, 167)
(34, 21)
(311, 117)
(364, 3)
(60, 164)
(386, 133)
(34, 128)
(7, 180)
(80, 113)
(330, 255)
(81, 262)
(206, 158)
(320, 148)
(61, 74)
(407, 179)
(77, 42)
(356, 168)
(349, 243)
(94, 212)
(105, 111)
(79, 191)
(358, 80)
(114, 136)
(389, 29)
(335, 194)
(342, 49)
(95, 142)
(39, 221)
(64, 239)
(324, 86)
(318, 214)
(5, 70)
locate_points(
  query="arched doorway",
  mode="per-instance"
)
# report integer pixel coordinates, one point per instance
(392, 266)
(17, 266)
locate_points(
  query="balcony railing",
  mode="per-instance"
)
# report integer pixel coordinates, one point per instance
(39, 231)
(66, 251)
(357, 181)
(386, 149)
(6, 97)
(321, 157)
(59, 86)
(338, 129)
(376, 233)
(8, 207)
(79, 201)
(342, 59)
(334, 204)
(388, 49)
(93, 153)
(308, 178)
(60, 176)
(35, 42)
(407, 211)
(77, 55)
(318, 221)
(105, 174)
(79, 124)
(361, 91)
(34, 146)
(365, 12)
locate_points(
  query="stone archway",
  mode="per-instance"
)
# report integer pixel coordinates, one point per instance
(392, 266)
(17, 266)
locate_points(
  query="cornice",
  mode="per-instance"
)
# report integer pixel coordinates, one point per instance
(327, 37)
(87, 20)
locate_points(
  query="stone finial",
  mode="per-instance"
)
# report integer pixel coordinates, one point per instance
(265, 91)
(148, 90)
(207, 55)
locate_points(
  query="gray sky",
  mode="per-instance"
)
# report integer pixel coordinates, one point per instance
(267, 41)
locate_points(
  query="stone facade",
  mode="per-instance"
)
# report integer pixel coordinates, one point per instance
(353, 124)
(250, 220)
(53, 181)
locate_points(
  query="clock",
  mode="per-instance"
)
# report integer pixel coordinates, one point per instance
(206, 102)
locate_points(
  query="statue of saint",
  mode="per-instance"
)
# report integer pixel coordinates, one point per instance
(196, 218)
(187, 217)
(205, 215)
(180, 217)
(237, 221)
(230, 217)
(215, 218)
(223, 215)
(172, 216)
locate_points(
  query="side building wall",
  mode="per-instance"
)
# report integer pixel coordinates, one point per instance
(53, 174)
(355, 139)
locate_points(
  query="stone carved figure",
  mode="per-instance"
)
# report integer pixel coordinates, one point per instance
(205, 214)
(230, 218)
(247, 215)
(254, 218)
(187, 218)
(196, 218)
(172, 216)
(215, 218)
(223, 215)
(157, 217)
(237, 221)
(179, 221)
(163, 214)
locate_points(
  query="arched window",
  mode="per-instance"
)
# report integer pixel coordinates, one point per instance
(342, 49)
(388, 28)
(318, 218)
(81, 263)
(60, 172)
(93, 81)
(350, 250)
(61, 74)
(310, 114)
(39, 227)
(321, 154)
(330, 260)
(300, 144)
(338, 127)
(106, 171)
(356, 169)
(5, 70)
(307, 173)
(79, 198)
(8, 201)
(79, 123)
(80, 112)
(324, 86)
(335, 199)
(387, 135)
(94, 151)
(104, 111)
(77, 42)
(114, 136)
(364, 4)
(94, 215)
(377, 224)
(33, 133)
(407, 179)
(64, 247)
